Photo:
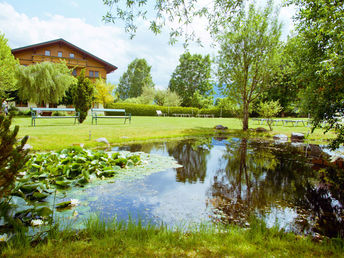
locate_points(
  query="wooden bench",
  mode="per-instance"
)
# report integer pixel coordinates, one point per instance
(36, 114)
(121, 112)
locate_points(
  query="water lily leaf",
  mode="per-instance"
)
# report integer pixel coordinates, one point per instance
(28, 188)
(62, 205)
(38, 196)
(44, 211)
(36, 166)
(62, 183)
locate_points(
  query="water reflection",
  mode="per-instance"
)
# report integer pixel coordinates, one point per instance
(233, 179)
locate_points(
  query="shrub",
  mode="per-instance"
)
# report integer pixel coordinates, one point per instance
(12, 155)
(150, 110)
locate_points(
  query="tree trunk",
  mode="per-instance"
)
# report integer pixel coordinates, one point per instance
(245, 117)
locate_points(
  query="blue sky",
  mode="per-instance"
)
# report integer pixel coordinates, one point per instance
(80, 22)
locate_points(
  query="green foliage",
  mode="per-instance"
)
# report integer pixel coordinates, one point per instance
(182, 14)
(82, 94)
(283, 85)
(147, 97)
(268, 110)
(133, 81)
(192, 76)
(12, 155)
(44, 82)
(103, 92)
(201, 101)
(7, 67)
(167, 98)
(247, 57)
(320, 63)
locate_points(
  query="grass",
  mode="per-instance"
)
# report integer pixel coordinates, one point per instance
(55, 134)
(100, 239)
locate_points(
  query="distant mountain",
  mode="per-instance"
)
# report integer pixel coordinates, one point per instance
(217, 93)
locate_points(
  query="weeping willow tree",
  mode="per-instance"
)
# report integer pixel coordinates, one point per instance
(44, 82)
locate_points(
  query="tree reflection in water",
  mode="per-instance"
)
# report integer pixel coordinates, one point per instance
(260, 177)
(193, 157)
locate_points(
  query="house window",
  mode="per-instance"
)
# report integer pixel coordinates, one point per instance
(20, 103)
(47, 52)
(59, 54)
(71, 55)
(96, 74)
(74, 72)
(91, 74)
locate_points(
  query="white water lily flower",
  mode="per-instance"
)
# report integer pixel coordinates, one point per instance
(4, 238)
(36, 222)
(74, 202)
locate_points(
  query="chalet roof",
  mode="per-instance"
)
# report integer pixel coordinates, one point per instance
(109, 67)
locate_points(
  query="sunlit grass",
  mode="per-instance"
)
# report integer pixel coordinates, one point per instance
(100, 239)
(55, 134)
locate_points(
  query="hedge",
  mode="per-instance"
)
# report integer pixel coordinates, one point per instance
(150, 110)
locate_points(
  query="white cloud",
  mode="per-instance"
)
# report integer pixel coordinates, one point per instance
(106, 41)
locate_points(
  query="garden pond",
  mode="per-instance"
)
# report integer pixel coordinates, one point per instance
(186, 182)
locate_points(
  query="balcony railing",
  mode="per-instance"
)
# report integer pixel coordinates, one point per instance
(56, 59)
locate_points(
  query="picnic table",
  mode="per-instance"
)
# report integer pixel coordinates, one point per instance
(182, 115)
(294, 122)
(206, 115)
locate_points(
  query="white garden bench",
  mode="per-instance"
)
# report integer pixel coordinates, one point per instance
(36, 113)
(121, 114)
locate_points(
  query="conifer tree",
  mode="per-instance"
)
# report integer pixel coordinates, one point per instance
(12, 154)
(82, 94)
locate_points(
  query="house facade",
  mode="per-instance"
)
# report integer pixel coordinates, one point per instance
(61, 50)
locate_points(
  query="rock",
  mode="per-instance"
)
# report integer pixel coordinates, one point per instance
(27, 147)
(103, 140)
(220, 127)
(281, 137)
(261, 130)
(297, 137)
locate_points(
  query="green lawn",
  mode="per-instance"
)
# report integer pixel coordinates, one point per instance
(54, 134)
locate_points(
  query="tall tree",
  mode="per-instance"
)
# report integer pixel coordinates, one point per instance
(104, 91)
(321, 67)
(283, 82)
(7, 67)
(44, 82)
(192, 76)
(247, 56)
(82, 93)
(134, 79)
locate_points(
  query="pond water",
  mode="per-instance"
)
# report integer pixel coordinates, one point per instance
(227, 181)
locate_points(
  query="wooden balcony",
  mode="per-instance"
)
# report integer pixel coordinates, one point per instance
(56, 59)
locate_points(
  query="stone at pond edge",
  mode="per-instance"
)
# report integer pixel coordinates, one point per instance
(296, 137)
(220, 127)
(261, 130)
(281, 137)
